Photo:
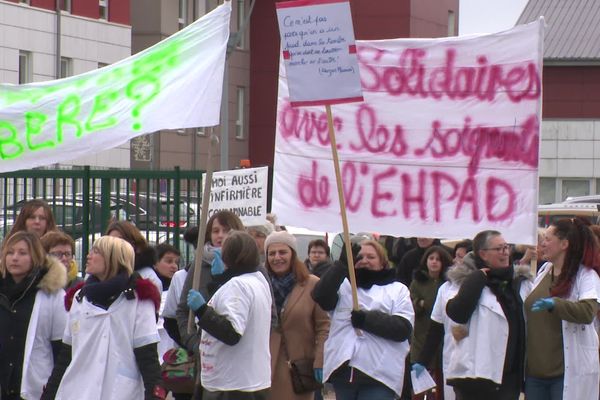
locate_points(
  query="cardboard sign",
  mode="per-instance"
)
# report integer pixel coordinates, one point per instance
(319, 52)
(241, 191)
(445, 145)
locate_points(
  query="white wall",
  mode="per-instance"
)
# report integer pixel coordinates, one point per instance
(569, 159)
(86, 41)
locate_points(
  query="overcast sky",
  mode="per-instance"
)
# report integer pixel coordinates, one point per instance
(487, 16)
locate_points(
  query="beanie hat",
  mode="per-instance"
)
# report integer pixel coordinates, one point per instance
(266, 229)
(281, 237)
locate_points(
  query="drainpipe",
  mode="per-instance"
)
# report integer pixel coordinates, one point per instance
(58, 34)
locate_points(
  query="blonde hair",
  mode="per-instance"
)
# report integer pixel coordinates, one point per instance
(36, 251)
(379, 250)
(118, 255)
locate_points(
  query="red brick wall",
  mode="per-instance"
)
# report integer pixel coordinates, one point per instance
(119, 11)
(86, 8)
(47, 4)
(571, 92)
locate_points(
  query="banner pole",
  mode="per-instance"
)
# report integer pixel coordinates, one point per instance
(338, 178)
(214, 140)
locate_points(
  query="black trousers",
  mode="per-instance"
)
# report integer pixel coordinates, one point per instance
(235, 395)
(478, 389)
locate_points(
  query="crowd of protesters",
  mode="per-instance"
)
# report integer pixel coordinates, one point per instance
(486, 319)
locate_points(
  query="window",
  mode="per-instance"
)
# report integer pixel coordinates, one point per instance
(182, 14)
(24, 1)
(66, 5)
(103, 4)
(201, 131)
(547, 193)
(451, 23)
(102, 65)
(66, 67)
(25, 68)
(575, 187)
(241, 15)
(239, 123)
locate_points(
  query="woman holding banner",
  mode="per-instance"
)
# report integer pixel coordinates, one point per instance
(562, 345)
(303, 325)
(235, 326)
(217, 228)
(366, 349)
(488, 362)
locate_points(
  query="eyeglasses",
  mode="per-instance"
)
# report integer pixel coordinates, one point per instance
(61, 254)
(500, 249)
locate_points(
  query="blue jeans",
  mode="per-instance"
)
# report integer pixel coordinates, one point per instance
(353, 391)
(544, 389)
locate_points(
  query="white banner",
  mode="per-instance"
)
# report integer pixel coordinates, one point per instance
(445, 144)
(174, 84)
(241, 191)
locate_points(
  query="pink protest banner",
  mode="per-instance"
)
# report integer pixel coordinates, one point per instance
(445, 144)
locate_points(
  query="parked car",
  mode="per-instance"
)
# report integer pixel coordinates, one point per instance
(69, 213)
(592, 199)
(158, 211)
(549, 213)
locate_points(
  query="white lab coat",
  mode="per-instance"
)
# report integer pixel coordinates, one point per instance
(380, 358)
(438, 314)
(580, 341)
(103, 365)
(46, 324)
(481, 354)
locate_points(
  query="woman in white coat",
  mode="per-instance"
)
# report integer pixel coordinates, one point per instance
(235, 326)
(488, 362)
(366, 349)
(109, 350)
(32, 316)
(562, 344)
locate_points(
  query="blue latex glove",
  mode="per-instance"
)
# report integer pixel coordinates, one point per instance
(418, 368)
(195, 300)
(543, 304)
(217, 266)
(319, 374)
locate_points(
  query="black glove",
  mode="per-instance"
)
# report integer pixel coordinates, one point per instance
(355, 250)
(358, 318)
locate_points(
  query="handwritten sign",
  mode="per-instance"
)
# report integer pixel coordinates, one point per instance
(176, 83)
(445, 145)
(319, 52)
(241, 191)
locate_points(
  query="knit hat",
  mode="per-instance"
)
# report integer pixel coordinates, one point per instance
(266, 229)
(281, 237)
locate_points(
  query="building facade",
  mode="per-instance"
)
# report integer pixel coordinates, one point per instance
(570, 147)
(39, 43)
(188, 148)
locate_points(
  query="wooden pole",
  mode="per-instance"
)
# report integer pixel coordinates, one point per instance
(338, 178)
(214, 140)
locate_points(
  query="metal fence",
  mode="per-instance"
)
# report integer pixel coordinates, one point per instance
(162, 204)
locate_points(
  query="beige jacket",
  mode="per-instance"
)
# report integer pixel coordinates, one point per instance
(305, 327)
